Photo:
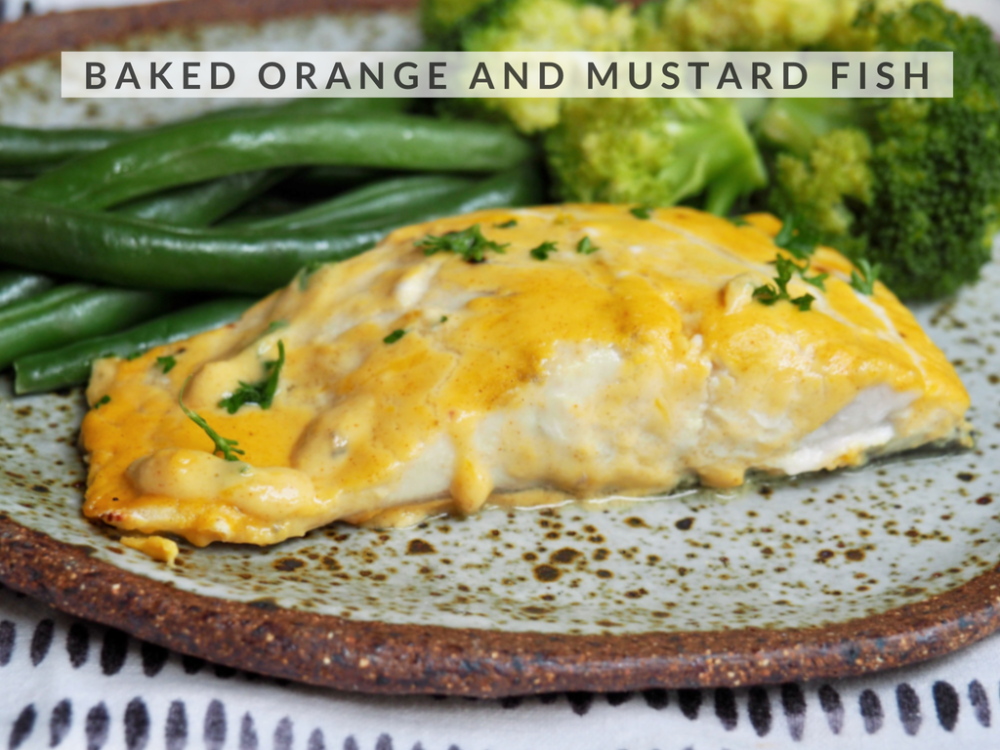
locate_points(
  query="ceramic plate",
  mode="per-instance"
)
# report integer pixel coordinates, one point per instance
(823, 576)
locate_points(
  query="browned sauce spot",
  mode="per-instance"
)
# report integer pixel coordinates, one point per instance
(288, 564)
(684, 524)
(855, 555)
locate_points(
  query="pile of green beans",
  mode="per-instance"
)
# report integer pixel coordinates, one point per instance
(152, 217)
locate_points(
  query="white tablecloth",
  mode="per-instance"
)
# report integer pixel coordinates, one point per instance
(70, 684)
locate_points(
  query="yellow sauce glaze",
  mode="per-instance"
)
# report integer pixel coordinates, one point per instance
(628, 370)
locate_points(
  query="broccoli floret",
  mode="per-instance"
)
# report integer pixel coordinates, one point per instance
(543, 25)
(852, 30)
(441, 18)
(653, 151)
(922, 198)
(721, 25)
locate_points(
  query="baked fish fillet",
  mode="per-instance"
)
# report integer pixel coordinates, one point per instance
(414, 382)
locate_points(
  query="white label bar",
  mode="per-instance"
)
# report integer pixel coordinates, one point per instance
(155, 75)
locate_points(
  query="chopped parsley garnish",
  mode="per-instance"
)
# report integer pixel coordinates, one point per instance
(469, 243)
(276, 325)
(262, 392)
(507, 224)
(166, 363)
(444, 318)
(796, 240)
(768, 294)
(865, 284)
(222, 445)
(739, 221)
(586, 247)
(543, 251)
(134, 355)
(641, 212)
(105, 399)
(396, 335)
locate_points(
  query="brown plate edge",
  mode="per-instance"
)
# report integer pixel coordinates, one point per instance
(375, 657)
(38, 36)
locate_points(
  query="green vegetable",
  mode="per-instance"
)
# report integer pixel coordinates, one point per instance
(507, 224)
(222, 445)
(722, 25)
(641, 212)
(395, 336)
(379, 200)
(539, 25)
(469, 243)
(132, 253)
(70, 365)
(201, 150)
(542, 251)
(865, 283)
(586, 247)
(262, 392)
(16, 286)
(204, 204)
(910, 184)
(105, 399)
(69, 313)
(654, 151)
(28, 151)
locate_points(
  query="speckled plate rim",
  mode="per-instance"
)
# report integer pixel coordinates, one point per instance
(375, 657)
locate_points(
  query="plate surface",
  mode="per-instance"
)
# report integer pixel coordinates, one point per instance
(826, 575)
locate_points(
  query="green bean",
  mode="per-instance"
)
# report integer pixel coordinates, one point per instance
(68, 313)
(29, 151)
(370, 202)
(197, 151)
(131, 253)
(70, 365)
(203, 204)
(26, 151)
(15, 286)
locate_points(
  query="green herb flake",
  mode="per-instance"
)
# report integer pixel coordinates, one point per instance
(166, 363)
(543, 251)
(804, 303)
(444, 318)
(134, 355)
(262, 392)
(105, 399)
(395, 336)
(586, 247)
(507, 224)
(769, 295)
(865, 284)
(795, 239)
(469, 243)
(276, 325)
(307, 271)
(222, 445)
(642, 212)
(739, 221)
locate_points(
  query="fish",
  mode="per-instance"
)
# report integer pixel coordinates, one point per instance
(516, 357)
